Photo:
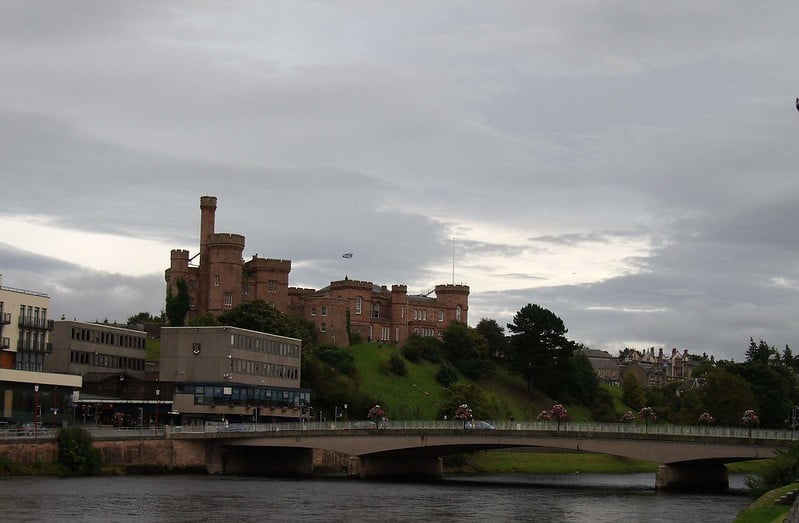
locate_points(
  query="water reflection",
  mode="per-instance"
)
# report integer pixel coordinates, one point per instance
(590, 497)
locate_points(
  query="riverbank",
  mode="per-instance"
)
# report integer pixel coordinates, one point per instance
(521, 462)
(767, 508)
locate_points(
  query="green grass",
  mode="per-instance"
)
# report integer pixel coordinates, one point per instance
(414, 396)
(418, 395)
(754, 466)
(152, 349)
(764, 509)
(616, 392)
(504, 462)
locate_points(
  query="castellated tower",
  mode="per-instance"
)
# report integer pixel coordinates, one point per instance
(455, 301)
(223, 265)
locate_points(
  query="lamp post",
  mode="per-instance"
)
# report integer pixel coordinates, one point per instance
(35, 410)
(157, 396)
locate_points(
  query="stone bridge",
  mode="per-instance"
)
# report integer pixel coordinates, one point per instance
(690, 457)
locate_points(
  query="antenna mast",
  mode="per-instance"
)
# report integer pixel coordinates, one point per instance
(453, 260)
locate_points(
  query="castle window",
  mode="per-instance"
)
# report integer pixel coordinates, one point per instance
(424, 315)
(415, 314)
(458, 313)
(313, 311)
(376, 310)
(216, 281)
(440, 315)
(271, 286)
(228, 299)
(358, 305)
(323, 310)
(402, 313)
(323, 327)
(386, 334)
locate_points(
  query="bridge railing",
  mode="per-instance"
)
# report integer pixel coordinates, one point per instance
(98, 431)
(521, 426)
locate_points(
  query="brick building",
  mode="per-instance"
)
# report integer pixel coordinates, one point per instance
(222, 279)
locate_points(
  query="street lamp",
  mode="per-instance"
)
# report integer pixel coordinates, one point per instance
(35, 410)
(157, 396)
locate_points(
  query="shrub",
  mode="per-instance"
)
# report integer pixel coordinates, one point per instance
(446, 374)
(412, 352)
(397, 365)
(76, 453)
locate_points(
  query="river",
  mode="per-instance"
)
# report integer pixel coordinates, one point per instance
(594, 498)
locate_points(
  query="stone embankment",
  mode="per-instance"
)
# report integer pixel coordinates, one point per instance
(150, 455)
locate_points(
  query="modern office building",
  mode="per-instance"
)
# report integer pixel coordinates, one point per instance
(232, 374)
(221, 280)
(81, 348)
(27, 391)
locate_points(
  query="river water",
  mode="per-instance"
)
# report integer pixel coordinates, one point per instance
(592, 498)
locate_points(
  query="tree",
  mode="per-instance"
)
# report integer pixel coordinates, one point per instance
(260, 316)
(457, 394)
(339, 359)
(76, 451)
(539, 350)
(494, 335)
(632, 393)
(178, 306)
(142, 318)
(468, 350)
(446, 374)
(726, 395)
(759, 353)
(581, 383)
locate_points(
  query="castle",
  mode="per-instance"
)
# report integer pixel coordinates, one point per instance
(222, 279)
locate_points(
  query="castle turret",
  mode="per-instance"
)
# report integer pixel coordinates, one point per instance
(454, 298)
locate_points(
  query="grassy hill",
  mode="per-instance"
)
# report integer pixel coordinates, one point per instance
(418, 395)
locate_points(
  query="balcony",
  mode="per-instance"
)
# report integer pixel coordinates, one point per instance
(29, 322)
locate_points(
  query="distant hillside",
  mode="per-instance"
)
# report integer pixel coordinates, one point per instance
(418, 395)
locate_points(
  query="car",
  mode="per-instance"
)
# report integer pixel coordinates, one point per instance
(476, 424)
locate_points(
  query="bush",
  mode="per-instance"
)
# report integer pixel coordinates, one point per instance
(397, 365)
(426, 347)
(76, 453)
(446, 374)
(412, 352)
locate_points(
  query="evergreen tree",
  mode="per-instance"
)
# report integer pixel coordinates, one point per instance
(539, 350)
(178, 306)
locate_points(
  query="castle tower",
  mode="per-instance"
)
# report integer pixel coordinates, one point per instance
(454, 299)
(207, 219)
(399, 313)
(224, 266)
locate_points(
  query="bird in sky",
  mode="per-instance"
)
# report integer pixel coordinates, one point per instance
(349, 254)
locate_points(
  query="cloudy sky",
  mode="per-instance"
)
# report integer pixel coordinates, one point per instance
(632, 166)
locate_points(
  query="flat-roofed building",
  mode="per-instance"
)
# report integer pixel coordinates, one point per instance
(228, 373)
(81, 347)
(25, 388)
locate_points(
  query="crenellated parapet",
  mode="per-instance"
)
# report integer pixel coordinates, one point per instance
(449, 288)
(267, 264)
(351, 284)
(226, 240)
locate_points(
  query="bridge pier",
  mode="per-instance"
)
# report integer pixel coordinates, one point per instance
(393, 467)
(706, 477)
(258, 461)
